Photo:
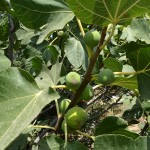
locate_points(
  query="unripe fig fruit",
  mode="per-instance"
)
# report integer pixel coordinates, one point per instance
(76, 117)
(69, 130)
(63, 105)
(73, 80)
(87, 94)
(106, 76)
(60, 33)
(92, 38)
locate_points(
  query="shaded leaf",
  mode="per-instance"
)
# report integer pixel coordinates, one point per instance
(20, 141)
(55, 143)
(140, 60)
(52, 14)
(113, 64)
(34, 65)
(30, 12)
(110, 124)
(58, 23)
(102, 12)
(4, 30)
(20, 102)
(133, 109)
(50, 55)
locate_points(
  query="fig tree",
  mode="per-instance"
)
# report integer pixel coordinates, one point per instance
(76, 117)
(88, 93)
(73, 80)
(63, 105)
(92, 38)
(106, 76)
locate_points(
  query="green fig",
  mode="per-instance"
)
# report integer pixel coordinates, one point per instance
(73, 80)
(87, 94)
(92, 38)
(76, 117)
(106, 76)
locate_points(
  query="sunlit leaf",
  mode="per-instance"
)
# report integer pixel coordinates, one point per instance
(20, 102)
(118, 142)
(4, 62)
(129, 83)
(75, 52)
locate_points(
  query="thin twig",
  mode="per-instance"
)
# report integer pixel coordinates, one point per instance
(41, 135)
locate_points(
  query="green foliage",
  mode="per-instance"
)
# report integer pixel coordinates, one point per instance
(114, 11)
(91, 38)
(75, 53)
(110, 124)
(113, 64)
(24, 103)
(42, 41)
(54, 142)
(49, 14)
(4, 61)
(115, 142)
(76, 117)
(4, 30)
(139, 54)
(106, 76)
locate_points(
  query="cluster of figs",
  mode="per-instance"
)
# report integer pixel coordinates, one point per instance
(76, 116)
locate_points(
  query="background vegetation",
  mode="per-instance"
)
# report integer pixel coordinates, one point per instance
(41, 41)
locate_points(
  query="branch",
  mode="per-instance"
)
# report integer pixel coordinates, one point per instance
(88, 75)
(11, 39)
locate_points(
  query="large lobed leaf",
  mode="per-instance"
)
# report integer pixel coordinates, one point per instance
(20, 102)
(53, 142)
(103, 12)
(120, 142)
(140, 60)
(53, 14)
(4, 62)
(35, 13)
